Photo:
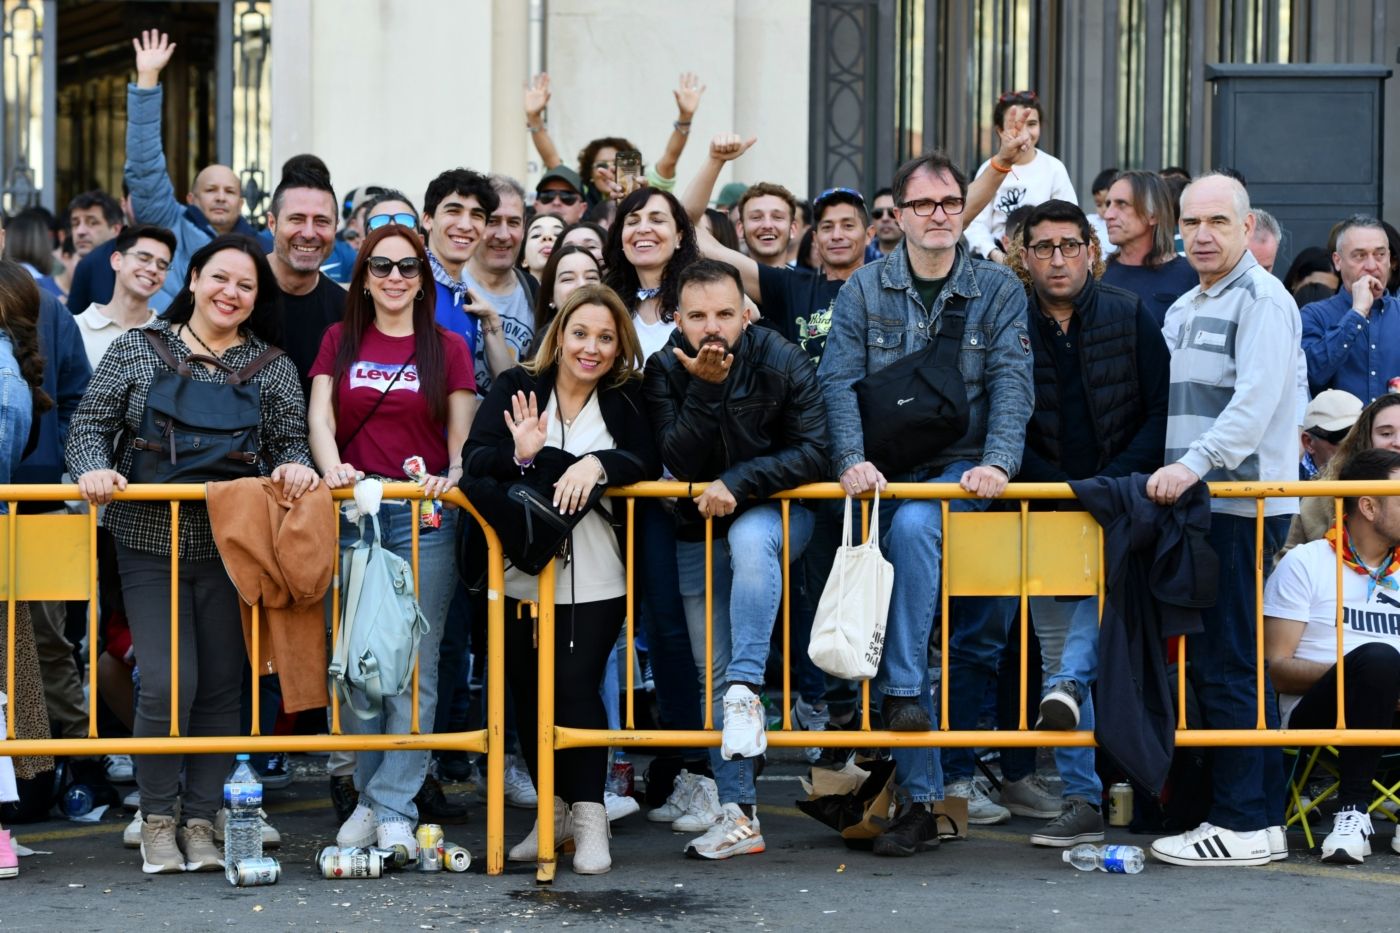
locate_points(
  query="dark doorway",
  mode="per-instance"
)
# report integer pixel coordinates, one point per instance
(95, 62)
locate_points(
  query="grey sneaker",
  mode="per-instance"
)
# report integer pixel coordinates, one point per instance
(1060, 708)
(1078, 822)
(981, 809)
(1030, 797)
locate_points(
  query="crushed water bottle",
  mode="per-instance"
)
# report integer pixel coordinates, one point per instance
(243, 830)
(1118, 860)
(78, 801)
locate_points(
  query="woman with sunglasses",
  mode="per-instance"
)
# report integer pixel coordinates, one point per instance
(1030, 178)
(390, 384)
(541, 233)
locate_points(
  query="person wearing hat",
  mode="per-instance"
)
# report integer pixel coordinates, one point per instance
(560, 192)
(730, 201)
(1327, 420)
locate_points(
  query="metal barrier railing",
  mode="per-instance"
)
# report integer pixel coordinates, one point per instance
(1073, 566)
(53, 556)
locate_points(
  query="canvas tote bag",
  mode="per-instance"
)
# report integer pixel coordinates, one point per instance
(848, 633)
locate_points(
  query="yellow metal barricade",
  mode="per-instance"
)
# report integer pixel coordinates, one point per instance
(54, 557)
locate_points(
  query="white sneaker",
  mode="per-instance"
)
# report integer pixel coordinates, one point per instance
(734, 834)
(745, 729)
(1349, 842)
(520, 790)
(618, 807)
(359, 829)
(392, 833)
(271, 838)
(119, 768)
(131, 836)
(677, 802)
(1278, 843)
(703, 810)
(981, 809)
(1210, 846)
(810, 719)
(132, 801)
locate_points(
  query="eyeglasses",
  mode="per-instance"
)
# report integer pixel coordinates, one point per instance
(925, 207)
(381, 266)
(833, 192)
(568, 198)
(1045, 249)
(1018, 97)
(383, 220)
(880, 213)
(147, 259)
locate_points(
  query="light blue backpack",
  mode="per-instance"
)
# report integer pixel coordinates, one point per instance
(380, 624)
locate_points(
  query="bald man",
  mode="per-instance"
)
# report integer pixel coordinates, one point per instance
(214, 203)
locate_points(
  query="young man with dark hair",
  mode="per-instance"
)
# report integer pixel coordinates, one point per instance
(302, 223)
(455, 208)
(1140, 216)
(141, 261)
(1300, 641)
(94, 217)
(740, 407)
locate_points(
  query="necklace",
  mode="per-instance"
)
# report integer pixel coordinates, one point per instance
(185, 328)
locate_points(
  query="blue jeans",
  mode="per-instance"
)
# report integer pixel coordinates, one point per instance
(748, 591)
(1069, 647)
(388, 781)
(911, 535)
(1248, 782)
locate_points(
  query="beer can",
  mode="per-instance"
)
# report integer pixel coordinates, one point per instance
(396, 856)
(345, 863)
(257, 871)
(1120, 804)
(429, 836)
(455, 858)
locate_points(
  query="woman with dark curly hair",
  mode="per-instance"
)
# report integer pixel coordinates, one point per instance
(648, 246)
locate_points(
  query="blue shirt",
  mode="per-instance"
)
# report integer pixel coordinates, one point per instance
(1348, 351)
(1158, 286)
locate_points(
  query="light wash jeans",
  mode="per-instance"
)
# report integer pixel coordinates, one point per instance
(911, 535)
(748, 592)
(1069, 651)
(388, 781)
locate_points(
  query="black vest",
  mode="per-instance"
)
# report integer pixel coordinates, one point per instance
(1107, 364)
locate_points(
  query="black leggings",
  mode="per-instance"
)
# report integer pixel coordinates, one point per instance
(1372, 689)
(579, 773)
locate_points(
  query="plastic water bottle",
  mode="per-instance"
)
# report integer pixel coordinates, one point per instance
(77, 801)
(243, 830)
(1119, 860)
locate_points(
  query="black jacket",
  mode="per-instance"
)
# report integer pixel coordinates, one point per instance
(1161, 571)
(490, 449)
(760, 431)
(1125, 371)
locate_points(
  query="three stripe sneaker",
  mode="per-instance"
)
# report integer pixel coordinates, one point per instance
(1210, 846)
(734, 834)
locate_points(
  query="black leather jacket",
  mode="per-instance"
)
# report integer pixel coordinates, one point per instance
(760, 431)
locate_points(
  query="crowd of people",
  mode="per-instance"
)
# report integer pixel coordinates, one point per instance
(610, 327)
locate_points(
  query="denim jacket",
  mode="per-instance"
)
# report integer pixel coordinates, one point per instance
(879, 319)
(16, 411)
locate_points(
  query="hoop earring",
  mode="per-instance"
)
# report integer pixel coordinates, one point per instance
(419, 296)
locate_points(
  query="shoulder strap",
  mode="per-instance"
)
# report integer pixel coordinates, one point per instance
(948, 340)
(159, 345)
(231, 376)
(245, 374)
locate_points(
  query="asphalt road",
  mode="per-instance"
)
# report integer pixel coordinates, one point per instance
(806, 880)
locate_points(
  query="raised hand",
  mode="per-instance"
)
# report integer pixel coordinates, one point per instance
(536, 95)
(726, 147)
(1015, 141)
(528, 425)
(688, 95)
(153, 51)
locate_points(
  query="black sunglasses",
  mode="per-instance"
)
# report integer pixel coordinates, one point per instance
(381, 266)
(569, 198)
(1023, 97)
(881, 213)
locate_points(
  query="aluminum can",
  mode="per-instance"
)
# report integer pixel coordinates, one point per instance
(258, 871)
(394, 856)
(429, 836)
(455, 858)
(1120, 804)
(344, 863)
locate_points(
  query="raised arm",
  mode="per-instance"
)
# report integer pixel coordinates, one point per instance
(153, 199)
(536, 99)
(688, 96)
(983, 189)
(725, 147)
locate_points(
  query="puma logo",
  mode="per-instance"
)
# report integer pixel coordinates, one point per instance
(1388, 600)
(906, 401)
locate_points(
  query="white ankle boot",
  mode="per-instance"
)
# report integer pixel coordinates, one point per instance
(591, 832)
(528, 850)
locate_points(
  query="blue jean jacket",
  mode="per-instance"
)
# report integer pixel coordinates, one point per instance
(879, 319)
(16, 411)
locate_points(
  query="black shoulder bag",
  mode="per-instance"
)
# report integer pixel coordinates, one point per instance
(916, 407)
(199, 432)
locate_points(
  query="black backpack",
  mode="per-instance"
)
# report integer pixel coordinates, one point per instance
(198, 432)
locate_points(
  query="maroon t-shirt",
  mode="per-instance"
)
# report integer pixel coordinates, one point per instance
(403, 425)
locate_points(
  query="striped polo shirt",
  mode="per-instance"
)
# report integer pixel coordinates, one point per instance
(1232, 416)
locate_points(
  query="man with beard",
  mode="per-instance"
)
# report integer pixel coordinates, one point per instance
(739, 407)
(766, 221)
(302, 223)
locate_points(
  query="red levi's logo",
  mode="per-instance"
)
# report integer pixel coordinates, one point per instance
(378, 376)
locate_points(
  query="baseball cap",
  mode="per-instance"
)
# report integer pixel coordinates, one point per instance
(1332, 410)
(563, 173)
(730, 194)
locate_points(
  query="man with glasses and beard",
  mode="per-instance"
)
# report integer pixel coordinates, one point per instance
(560, 192)
(886, 234)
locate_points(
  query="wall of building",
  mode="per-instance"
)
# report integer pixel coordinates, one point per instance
(393, 91)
